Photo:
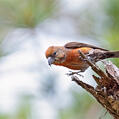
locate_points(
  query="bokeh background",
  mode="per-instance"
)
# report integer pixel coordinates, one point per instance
(29, 88)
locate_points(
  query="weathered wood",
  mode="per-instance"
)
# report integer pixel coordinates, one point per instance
(107, 90)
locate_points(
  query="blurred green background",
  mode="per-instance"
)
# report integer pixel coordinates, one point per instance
(29, 88)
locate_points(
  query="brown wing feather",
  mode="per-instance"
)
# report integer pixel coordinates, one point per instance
(73, 45)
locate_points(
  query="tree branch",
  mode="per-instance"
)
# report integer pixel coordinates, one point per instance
(107, 90)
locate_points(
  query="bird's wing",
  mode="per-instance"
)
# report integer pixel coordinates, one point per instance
(73, 45)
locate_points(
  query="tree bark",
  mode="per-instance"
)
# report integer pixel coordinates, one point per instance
(107, 90)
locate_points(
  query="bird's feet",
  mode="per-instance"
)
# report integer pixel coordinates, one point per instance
(73, 73)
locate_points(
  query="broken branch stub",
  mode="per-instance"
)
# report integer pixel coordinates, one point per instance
(107, 91)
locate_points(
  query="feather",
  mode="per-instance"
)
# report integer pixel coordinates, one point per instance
(74, 45)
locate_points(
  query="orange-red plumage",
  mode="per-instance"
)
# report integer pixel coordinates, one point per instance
(68, 55)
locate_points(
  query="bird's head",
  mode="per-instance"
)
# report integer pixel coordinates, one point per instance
(55, 55)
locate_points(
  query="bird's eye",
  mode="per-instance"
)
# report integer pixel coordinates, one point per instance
(54, 53)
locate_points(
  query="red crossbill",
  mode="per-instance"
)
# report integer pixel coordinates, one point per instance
(69, 56)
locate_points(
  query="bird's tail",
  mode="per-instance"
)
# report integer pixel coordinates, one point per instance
(103, 55)
(111, 54)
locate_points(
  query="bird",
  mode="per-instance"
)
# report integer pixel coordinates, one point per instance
(68, 55)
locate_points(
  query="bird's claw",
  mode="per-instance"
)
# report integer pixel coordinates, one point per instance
(73, 73)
